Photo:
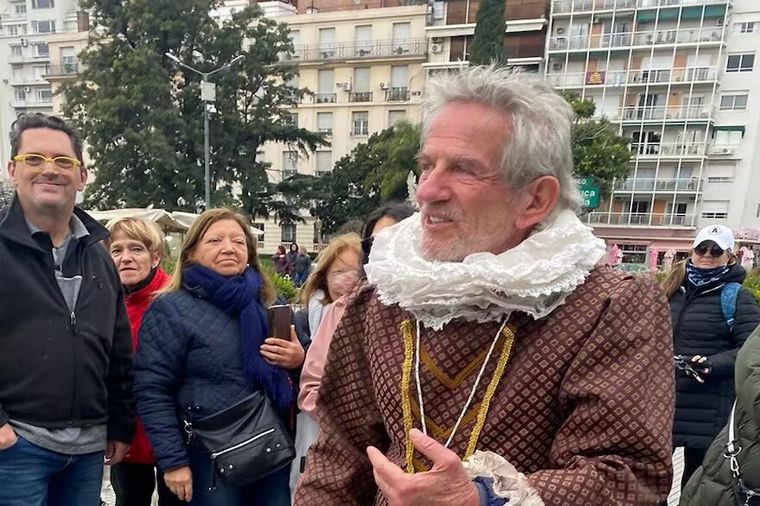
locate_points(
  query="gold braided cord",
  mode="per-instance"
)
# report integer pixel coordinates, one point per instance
(506, 351)
(408, 335)
(406, 405)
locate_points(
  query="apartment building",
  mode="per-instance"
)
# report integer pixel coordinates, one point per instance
(364, 69)
(678, 78)
(451, 27)
(25, 28)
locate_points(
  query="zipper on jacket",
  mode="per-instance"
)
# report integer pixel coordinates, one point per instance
(73, 320)
(241, 444)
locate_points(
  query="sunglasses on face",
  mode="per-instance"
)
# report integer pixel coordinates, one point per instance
(703, 250)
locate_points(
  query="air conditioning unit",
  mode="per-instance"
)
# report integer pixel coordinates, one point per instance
(24, 42)
(27, 89)
(727, 151)
(560, 30)
(346, 86)
(383, 86)
(436, 48)
(557, 65)
(437, 40)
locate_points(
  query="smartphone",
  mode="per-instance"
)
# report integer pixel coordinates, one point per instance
(279, 321)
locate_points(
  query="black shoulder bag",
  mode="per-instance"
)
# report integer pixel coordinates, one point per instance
(247, 441)
(743, 495)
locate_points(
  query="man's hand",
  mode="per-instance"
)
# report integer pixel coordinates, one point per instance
(288, 354)
(8, 437)
(180, 482)
(701, 364)
(115, 452)
(446, 484)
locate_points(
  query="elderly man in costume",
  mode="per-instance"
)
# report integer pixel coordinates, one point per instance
(489, 360)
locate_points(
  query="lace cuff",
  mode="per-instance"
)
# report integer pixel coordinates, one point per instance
(507, 481)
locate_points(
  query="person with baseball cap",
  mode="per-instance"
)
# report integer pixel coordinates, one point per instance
(712, 317)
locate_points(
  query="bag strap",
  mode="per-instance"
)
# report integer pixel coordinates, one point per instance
(733, 448)
(728, 296)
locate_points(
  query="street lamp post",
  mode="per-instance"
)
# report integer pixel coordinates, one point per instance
(208, 96)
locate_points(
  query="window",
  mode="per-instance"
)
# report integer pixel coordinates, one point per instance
(327, 42)
(720, 179)
(39, 71)
(324, 162)
(740, 62)
(16, 51)
(43, 4)
(16, 29)
(20, 94)
(640, 206)
(44, 95)
(325, 122)
(289, 163)
(362, 40)
(290, 118)
(326, 81)
(41, 49)
(715, 209)
(744, 27)
(288, 232)
(259, 225)
(733, 102)
(396, 116)
(20, 8)
(361, 79)
(43, 26)
(360, 123)
(728, 137)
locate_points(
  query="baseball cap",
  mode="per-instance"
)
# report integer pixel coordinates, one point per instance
(719, 234)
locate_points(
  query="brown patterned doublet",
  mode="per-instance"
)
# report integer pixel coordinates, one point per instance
(584, 408)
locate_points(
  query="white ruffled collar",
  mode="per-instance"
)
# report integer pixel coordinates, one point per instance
(535, 277)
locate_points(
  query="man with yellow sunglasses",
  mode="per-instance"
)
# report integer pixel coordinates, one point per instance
(65, 345)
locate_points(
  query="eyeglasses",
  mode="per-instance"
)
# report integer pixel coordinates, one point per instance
(702, 250)
(39, 161)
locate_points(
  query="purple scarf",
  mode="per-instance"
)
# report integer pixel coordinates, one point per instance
(240, 296)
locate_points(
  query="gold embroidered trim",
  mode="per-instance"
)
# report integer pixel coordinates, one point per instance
(406, 405)
(407, 333)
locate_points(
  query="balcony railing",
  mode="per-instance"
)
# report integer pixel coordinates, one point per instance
(625, 40)
(324, 98)
(683, 185)
(667, 149)
(360, 96)
(63, 69)
(641, 219)
(617, 78)
(577, 6)
(663, 113)
(358, 49)
(397, 95)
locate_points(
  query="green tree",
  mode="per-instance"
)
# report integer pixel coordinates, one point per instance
(373, 173)
(598, 151)
(488, 41)
(143, 118)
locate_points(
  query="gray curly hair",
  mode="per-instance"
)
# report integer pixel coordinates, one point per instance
(541, 122)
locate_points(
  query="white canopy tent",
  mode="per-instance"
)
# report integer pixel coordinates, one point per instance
(176, 221)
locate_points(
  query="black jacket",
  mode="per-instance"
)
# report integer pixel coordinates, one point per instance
(699, 328)
(58, 368)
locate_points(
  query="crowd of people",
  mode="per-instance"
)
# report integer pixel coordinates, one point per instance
(473, 351)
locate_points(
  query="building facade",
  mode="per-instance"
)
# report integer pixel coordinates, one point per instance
(26, 27)
(677, 78)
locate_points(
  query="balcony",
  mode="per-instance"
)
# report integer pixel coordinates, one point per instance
(661, 185)
(361, 50)
(31, 103)
(658, 150)
(663, 113)
(360, 96)
(397, 95)
(66, 69)
(625, 40)
(324, 98)
(580, 6)
(641, 219)
(634, 77)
